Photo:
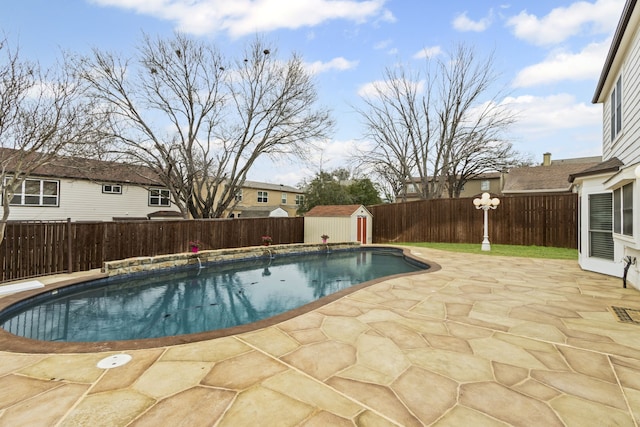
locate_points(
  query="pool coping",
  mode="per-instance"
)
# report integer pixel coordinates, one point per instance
(13, 343)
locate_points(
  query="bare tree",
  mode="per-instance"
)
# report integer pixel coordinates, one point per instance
(443, 129)
(42, 114)
(199, 121)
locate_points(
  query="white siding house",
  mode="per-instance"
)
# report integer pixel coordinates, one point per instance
(342, 223)
(610, 192)
(91, 190)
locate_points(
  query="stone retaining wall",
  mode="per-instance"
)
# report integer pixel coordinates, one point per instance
(138, 264)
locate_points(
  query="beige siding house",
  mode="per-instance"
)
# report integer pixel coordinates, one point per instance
(91, 190)
(609, 192)
(342, 223)
(490, 182)
(261, 199)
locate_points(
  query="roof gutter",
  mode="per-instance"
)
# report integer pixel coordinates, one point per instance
(615, 45)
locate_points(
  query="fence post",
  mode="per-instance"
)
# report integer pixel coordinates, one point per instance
(69, 247)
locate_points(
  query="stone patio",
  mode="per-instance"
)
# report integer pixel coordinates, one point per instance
(484, 341)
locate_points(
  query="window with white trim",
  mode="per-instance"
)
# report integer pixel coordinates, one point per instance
(299, 199)
(37, 192)
(283, 200)
(238, 195)
(111, 189)
(485, 185)
(159, 197)
(616, 109)
(623, 210)
(263, 196)
(601, 226)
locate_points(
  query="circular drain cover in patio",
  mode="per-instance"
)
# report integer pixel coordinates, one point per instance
(114, 361)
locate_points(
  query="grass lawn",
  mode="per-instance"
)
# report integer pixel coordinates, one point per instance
(502, 250)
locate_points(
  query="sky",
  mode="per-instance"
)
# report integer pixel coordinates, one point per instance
(548, 53)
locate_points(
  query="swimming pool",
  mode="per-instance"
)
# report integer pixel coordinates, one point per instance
(193, 301)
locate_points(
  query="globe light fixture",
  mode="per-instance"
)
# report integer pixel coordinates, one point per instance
(485, 202)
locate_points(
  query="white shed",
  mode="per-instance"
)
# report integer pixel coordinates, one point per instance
(342, 223)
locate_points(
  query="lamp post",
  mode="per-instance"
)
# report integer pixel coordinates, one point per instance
(485, 203)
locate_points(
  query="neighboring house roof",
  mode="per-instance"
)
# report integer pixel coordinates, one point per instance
(618, 38)
(485, 175)
(92, 170)
(255, 211)
(273, 187)
(611, 165)
(553, 178)
(334, 210)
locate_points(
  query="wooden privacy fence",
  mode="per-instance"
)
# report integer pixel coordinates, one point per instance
(40, 248)
(541, 220)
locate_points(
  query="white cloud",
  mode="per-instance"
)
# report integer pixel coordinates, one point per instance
(375, 88)
(599, 17)
(557, 124)
(384, 44)
(565, 66)
(243, 17)
(463, 23)
(428, 52)
(339, 63)
(549, 114)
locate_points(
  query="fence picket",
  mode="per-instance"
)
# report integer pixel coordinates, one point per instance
(33, 249)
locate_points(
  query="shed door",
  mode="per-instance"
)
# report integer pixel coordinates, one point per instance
(362, 229)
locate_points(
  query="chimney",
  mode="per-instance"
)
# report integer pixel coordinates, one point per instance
(546, 159)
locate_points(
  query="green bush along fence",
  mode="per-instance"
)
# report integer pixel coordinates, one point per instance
(40, 248)
(540, 220)
(33, 249)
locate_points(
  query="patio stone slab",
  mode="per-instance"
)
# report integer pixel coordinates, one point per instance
(113, 408)
(243, 371)
(484, 341)
(194, 407)
(17, 388)
(163, 379)
(69, 367)
(267, 406)
(45, 409)
(506, 405)
(207, 351)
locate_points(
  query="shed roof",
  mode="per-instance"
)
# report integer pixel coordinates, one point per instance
(334, 210)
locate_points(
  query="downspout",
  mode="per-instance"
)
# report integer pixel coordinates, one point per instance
(628, 262)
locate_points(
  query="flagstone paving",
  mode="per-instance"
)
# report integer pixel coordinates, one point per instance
(484, 341)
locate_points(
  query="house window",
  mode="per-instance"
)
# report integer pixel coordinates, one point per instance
(616, 109)
(623, 210)
(263, 196)
(411, 188)
(239, 195)
(159, 197)
(111, 189)
(284, 198)
(485, 185)
(601, 226)
(299, 199)
(37, 192)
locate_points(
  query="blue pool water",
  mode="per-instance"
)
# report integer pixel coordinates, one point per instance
(196, 300)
